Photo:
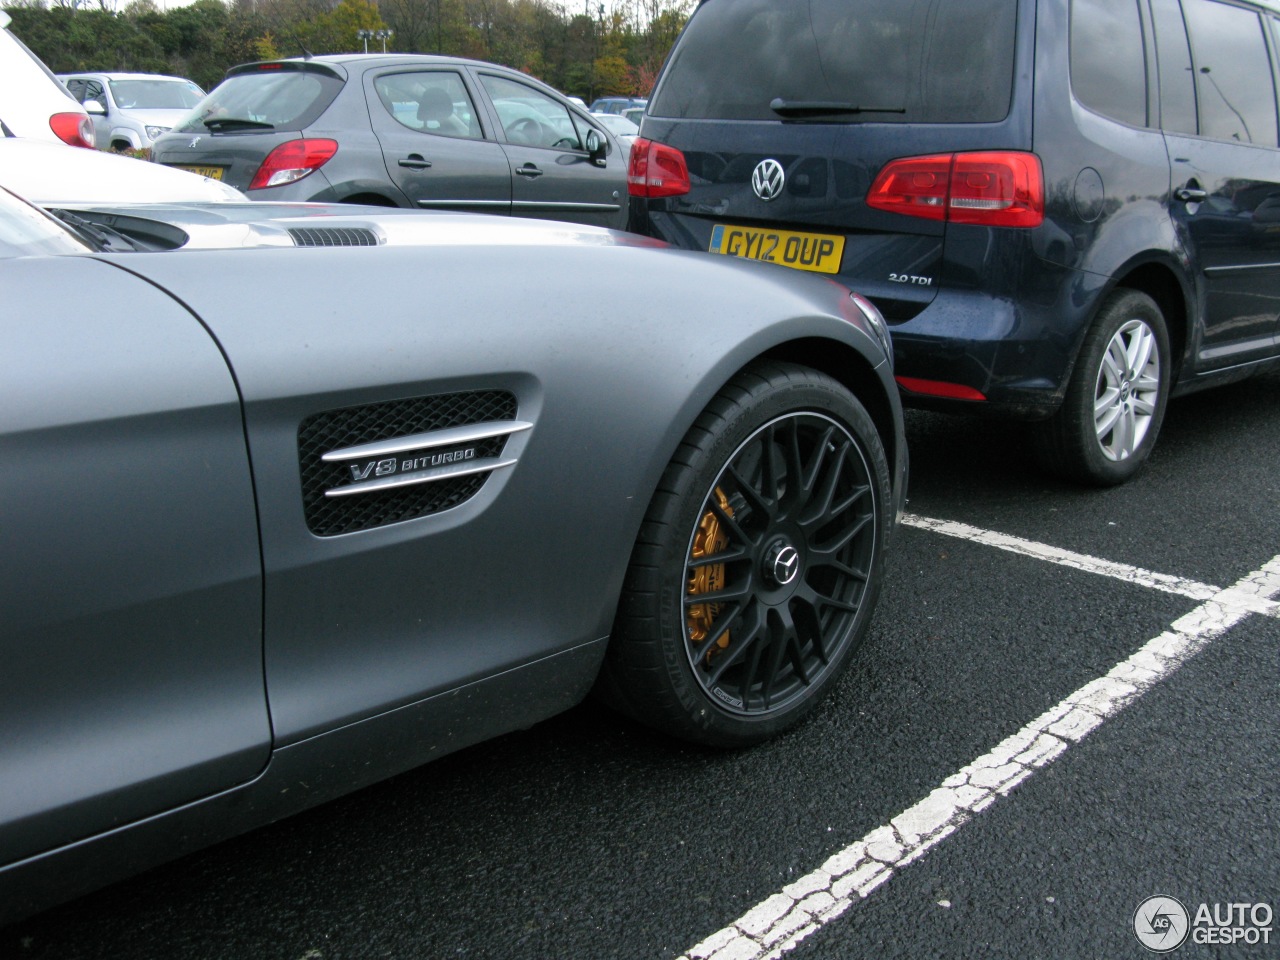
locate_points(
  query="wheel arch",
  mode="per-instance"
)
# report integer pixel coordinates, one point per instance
(1163, 284)
(125, 135)
(850, 368)
(377, 193)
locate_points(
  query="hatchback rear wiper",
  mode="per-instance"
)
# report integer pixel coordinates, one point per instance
(810, 108)
(220, 124)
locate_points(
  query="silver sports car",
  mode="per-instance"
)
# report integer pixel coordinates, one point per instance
(305, 496)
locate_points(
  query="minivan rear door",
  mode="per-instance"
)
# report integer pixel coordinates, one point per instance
(786, 128)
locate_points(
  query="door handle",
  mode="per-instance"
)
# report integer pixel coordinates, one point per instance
(415, 161)
(529, 170)
(1192, 195)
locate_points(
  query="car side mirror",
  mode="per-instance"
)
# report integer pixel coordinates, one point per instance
(95, 108)
(597, 147)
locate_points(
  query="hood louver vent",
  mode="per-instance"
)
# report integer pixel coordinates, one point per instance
(333, 237)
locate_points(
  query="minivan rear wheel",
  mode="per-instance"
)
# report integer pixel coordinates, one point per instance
(1115, 401)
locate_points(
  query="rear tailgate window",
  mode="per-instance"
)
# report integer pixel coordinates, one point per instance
(911, 61)
(283, 96)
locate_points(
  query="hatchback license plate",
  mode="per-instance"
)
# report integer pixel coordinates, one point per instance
(213, 173)
(819, 252)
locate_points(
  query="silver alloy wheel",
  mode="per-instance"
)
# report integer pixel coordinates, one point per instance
(1127, 390)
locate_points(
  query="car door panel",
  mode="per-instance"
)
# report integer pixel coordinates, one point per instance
(1220, 128)
(135, 684)
(552, 175)
(439, 161)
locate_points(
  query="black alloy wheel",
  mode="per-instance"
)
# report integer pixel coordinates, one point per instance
(758, 564)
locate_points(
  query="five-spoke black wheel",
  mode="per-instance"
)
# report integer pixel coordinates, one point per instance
(758, 564)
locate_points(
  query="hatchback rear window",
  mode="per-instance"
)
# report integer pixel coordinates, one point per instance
(911, 61)
(277, 96)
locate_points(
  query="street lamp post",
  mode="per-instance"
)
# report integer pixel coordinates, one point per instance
(384, 36)
(364, 35)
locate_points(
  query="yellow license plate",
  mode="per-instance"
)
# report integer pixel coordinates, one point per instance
(213, 173)
(819, 252)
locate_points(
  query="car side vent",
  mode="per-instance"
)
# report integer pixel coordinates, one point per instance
(366, 467)
(333, 237)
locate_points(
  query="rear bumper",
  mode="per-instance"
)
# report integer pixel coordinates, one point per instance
(1017, 354)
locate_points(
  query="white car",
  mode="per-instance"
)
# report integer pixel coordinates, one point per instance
(32, 101)
(623, 130)
(130, 110)
(52, 175)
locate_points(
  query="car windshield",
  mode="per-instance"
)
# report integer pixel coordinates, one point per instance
(27, 231)
(284, 99)
(917, 61)
(155, 94)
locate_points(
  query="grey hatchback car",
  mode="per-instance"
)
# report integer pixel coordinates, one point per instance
(407, 131)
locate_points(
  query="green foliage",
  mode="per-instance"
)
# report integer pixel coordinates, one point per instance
(589, 54)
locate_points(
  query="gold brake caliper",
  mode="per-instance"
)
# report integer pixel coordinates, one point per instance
(709, 540)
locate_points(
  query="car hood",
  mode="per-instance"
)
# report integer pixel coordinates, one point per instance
(154, 117)
(249, 224)
(55, 174)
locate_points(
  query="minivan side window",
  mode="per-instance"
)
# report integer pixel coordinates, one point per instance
(1108, 64)
(1177, 80)
(1234, 85)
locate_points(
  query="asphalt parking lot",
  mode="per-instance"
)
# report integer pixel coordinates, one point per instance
(1067, 705)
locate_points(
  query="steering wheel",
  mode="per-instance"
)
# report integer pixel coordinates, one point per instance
(528, 131)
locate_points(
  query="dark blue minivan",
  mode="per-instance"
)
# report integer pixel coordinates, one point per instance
(1067, 210)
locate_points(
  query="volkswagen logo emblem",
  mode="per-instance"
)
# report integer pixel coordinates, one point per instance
(768, 179)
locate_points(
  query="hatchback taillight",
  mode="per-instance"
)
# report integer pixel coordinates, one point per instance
(656, 170)
(292, 161)
(1003, 188)
(73, 128)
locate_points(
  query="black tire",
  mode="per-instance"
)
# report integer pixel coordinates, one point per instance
(730, 652)
(1116, 398)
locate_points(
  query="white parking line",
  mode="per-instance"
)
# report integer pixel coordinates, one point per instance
(779, 923)
(1078, 561)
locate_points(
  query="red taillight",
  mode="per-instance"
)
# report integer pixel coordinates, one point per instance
(292, 161)
(73, 128)
(916, 186)
(994, 189)
(656, 170)
(939, 388)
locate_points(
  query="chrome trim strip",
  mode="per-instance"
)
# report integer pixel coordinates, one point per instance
(1241, 268)
(571, 207)
(484, 204)
(422, 476)
(450, 436)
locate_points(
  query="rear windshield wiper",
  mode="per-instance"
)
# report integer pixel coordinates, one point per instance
(220, 124)
(828, 108)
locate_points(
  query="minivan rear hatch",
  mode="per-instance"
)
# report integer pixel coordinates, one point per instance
(830, 91)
